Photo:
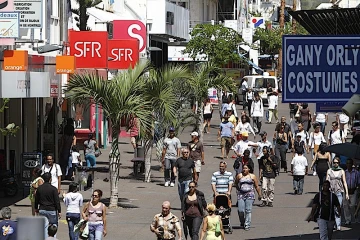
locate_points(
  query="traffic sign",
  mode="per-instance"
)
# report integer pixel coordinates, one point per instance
(320, 68)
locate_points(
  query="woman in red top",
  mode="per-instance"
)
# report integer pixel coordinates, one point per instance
(134, 126)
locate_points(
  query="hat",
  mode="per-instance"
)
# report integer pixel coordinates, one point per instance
(245, 134)
(262, 133)
(171, 129)
(228, 109)
(194, 134)
(298, 134)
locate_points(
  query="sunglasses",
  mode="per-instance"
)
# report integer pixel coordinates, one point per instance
(336, 162)
(192, 187)
(185, 152)
(95, 196)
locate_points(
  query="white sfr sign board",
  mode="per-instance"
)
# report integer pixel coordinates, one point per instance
(30, 13)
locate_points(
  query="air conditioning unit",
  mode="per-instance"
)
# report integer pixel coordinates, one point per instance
(110, 29)
(170, 18)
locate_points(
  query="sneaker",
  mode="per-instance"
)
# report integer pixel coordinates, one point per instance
(263, 204)
(338, 228)
(167, 184)
(314, 173)
(172, 184)
(247, 229)
(296, 192)
(270, 204)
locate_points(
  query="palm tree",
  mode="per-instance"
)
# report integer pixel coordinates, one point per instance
(162, 90)
(83, 17)
(205, 76)
(121, 97)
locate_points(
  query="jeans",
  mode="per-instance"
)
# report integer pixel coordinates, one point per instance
(325, 228)
(280, 152)
(73, 219)
(193, 224)
(169, 165)
(90, 160)
(249, 102)
(257, 123)
(183, 187)
(322, 178)
(69, 167)
(268, 187)
(322, 125)
(349, 208)
(298, 183)
(244, 211)
(51, 218)
(96, 231)
(337, 215)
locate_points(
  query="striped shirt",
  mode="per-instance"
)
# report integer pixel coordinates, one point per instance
(222, 181)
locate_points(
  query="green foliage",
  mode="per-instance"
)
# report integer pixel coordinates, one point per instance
(11, 128)
(219, 43)
(271, 39)
(83, 17)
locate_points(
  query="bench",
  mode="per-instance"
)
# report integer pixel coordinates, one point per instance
(138, 161)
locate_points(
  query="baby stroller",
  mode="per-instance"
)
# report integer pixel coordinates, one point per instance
(223, 209)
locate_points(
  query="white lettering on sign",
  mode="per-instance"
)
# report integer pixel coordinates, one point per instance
(135, 35)
(84, 47)
(122, 54)
(303, 56)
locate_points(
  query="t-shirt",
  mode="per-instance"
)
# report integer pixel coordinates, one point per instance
(226, 129)
(55, 172)
(90, 147)
(222, 181)
(327, 205)
(242, 145)
(172, 145)
(320, 117)
(261, 145)
(75, 157)
(196, 150)
(185, 168)
(267, 168)
(300, 163)
(334, 136)
(8, 230)
(304, 135)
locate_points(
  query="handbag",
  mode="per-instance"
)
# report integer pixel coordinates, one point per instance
(98, 152)
(218, 229)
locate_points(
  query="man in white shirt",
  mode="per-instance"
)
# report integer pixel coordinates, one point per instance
(335, 135)
(55, 171)
(260, 145)
(244, 144)
(299, 168)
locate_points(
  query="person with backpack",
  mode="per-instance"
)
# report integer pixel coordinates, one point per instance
(54, 169)
(303, 133)
(298, 145)
(268, 167)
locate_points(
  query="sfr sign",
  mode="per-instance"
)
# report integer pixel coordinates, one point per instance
(89, 48)
(123, 53)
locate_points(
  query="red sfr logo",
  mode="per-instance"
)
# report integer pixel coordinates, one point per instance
(130, 29)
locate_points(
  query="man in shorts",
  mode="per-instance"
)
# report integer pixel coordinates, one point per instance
(226, 134)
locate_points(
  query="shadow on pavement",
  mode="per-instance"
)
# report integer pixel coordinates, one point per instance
(8, 201)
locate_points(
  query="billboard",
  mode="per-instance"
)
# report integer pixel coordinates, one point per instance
(320, 68)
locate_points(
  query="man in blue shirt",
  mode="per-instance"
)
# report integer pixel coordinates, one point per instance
(226, 133)
(7, 226)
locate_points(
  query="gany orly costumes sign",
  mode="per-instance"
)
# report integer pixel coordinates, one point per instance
(320, 68)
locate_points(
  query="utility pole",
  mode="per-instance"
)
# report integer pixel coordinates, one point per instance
(282, 25)
(293, 23)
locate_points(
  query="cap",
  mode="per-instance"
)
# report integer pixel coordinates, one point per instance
(171, 129)
(228, 109)
(262, 133)
(245, 134)
(194, 134)
(298, 134)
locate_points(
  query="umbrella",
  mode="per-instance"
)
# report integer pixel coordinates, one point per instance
(349, 150)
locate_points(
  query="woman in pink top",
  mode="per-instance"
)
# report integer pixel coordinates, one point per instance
(134, 126)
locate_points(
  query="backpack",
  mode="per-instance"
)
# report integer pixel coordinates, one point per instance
(331, 132)
(276, 162)
(56, 168)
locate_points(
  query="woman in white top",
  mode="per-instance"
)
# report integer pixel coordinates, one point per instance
(73, 201)
(244, 125)
(208, 110)
(232, 105)
(257, 112)
(315, 139)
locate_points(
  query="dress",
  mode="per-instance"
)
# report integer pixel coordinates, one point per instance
(211, 228)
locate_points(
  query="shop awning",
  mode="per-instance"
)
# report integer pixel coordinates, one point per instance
(343, 21)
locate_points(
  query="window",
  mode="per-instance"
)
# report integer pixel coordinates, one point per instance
(262, 82)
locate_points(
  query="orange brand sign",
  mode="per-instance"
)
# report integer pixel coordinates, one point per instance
(65, 64)
(15, 60)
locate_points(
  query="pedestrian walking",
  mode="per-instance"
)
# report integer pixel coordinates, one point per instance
(268, 167)
(244, 125)
(273, 107)
(210, 222)
(222, 180)
(166, 224)
(244, 88)
(196, 149)
(226, 134)
(257, 112)
(281, 141)
(315, 139)
(55, 171)
(134, 128)
(249, 99)
(75, 161)
(34, 186)
(343, 121)
(243, 160)
(246, 183)
(184, 169)
(336, 177)
(47, 203)
(324, 206)
(94, 212)
(208, 111)
(90, 147)
(299, 169)
(193, 207)
(352, 176)
(298, 145)
(322, 161)
(264, 142)
(321, 118)
(287, 130)
(73, 201)
(171, 151)
(305, 116)
(8, 228)
(232, 105)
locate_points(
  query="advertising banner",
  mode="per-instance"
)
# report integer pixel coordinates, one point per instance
(29, 161)
(320, 68)
(30, 13)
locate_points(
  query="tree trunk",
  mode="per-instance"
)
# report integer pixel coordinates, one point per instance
(148, 154)
(282, 25)
(114, 165)
(82, 17)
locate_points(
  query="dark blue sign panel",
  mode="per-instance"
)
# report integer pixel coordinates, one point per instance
(320, 68)
(329, 106)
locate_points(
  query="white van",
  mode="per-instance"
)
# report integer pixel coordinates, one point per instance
(258, 83)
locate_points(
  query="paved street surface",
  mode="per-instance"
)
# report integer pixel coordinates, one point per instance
(140, 201)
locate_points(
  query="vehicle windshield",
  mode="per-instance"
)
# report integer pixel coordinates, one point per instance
(262, 82)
